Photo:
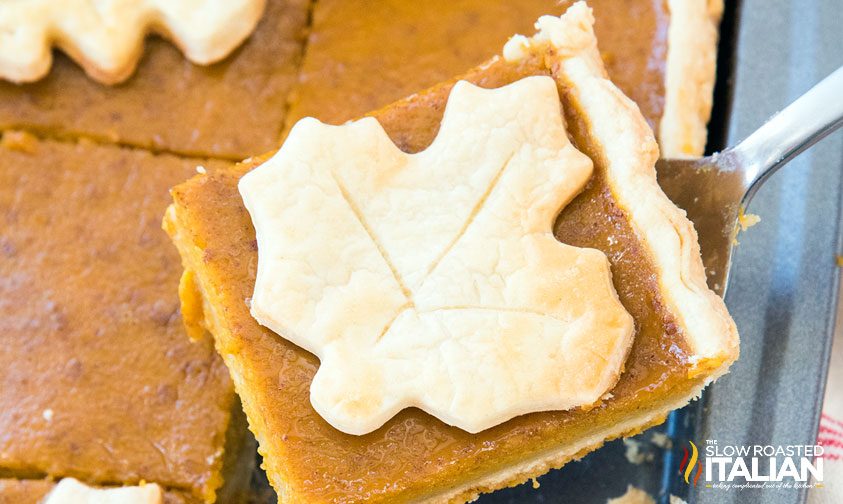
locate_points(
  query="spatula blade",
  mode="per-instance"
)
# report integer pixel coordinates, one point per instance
(711, 197)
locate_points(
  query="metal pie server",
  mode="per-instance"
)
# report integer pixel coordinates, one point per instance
(715, 189)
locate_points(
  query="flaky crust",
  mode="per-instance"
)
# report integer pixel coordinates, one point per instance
(630, 152)
(689, 76)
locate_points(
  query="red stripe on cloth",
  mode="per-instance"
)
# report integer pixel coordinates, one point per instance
(831, 419)
(830, 433)
(830, 443)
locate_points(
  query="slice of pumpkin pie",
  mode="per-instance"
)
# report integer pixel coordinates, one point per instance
(459, 291)
(98, 380)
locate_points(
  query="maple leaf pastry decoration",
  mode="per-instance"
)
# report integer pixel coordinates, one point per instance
(106, 36)
(433, 279)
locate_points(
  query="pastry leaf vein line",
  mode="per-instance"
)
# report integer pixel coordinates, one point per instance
(358, 214)
(389, 324)
(470, 219)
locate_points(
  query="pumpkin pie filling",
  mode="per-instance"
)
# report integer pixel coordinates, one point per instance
(414, 456)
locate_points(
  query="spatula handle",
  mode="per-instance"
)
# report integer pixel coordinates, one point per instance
(801, 124)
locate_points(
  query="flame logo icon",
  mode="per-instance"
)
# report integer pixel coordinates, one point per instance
(688, 466)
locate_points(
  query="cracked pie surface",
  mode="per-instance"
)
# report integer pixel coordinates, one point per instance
(682, 336)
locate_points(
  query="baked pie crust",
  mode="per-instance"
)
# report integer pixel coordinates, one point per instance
(684, 337)
(629, 150)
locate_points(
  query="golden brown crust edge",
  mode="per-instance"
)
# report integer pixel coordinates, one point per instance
(689, 76)
(539, 466)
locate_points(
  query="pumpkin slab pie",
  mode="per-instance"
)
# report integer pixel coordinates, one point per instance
(98, 380)
(659, 53)
(655, 337)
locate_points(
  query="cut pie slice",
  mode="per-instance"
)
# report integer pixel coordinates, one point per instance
(98, 380)
(683, 338)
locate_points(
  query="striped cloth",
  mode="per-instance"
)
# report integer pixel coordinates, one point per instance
(830, 435)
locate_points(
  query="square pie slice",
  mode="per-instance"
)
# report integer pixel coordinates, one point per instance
(683, 336)
(98, 380)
